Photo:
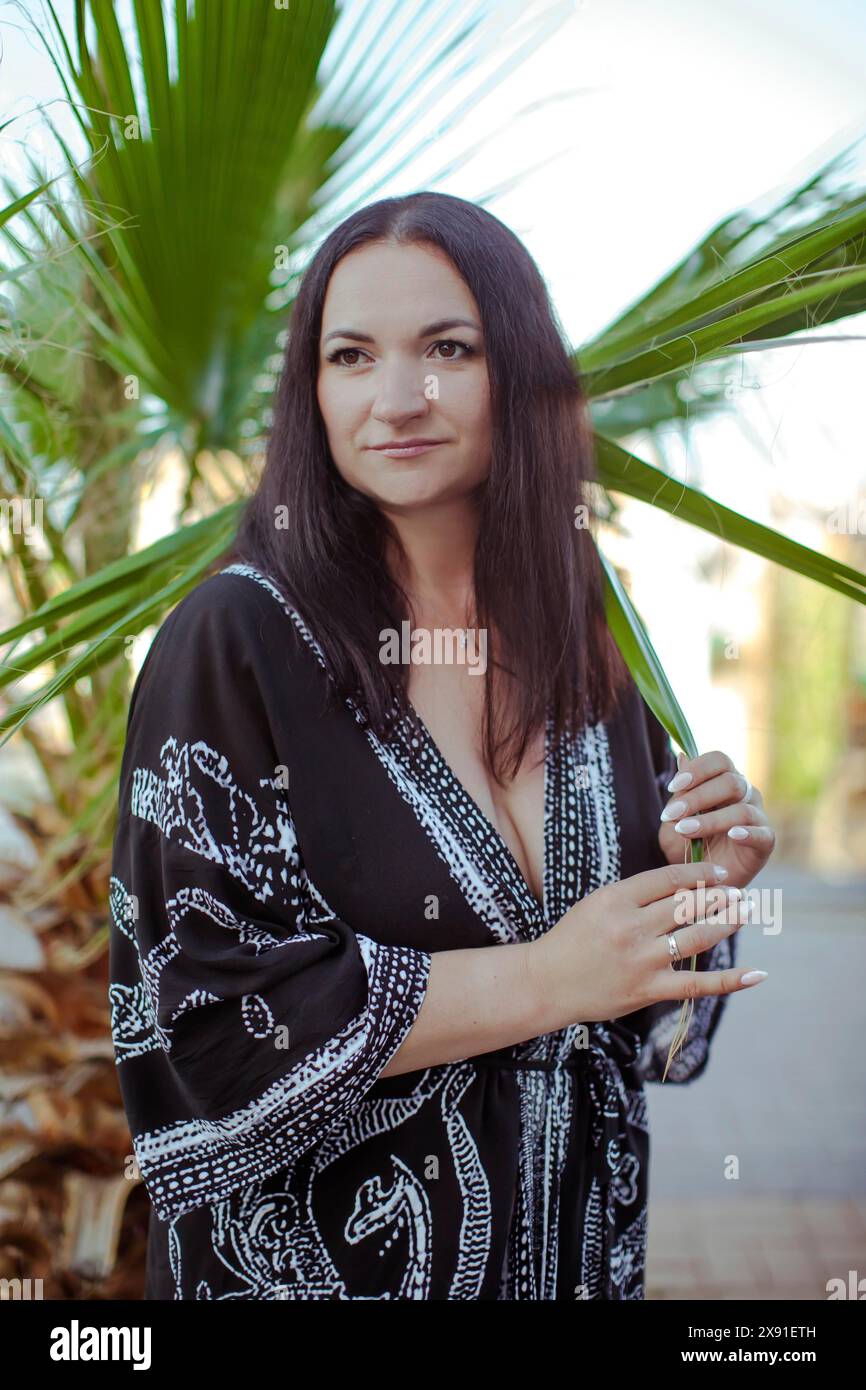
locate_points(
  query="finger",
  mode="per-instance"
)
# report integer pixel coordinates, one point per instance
(693, 771)
(699, 984)
(720, 821)
(653, 884)
(725, 789)
(762, 835)
(686, 906)
(693, 940)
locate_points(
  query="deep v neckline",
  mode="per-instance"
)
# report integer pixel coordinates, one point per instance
(534, 913)
(497, 839)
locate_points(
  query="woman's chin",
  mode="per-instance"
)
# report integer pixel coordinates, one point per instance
(409, 494)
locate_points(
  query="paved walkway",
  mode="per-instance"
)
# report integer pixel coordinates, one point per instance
(758, 1169)
(754, 1248)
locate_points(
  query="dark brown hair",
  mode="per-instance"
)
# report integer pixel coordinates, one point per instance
(538, 583)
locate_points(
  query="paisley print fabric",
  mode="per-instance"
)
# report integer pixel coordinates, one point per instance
(280, 880)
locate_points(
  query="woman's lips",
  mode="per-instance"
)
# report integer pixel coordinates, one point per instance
(408, 451)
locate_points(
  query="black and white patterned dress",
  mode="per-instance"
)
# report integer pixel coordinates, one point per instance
(280, 879)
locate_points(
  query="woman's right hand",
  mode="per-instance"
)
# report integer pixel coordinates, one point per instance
(608, 955)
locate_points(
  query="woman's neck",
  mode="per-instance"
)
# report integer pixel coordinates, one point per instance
(437, 569)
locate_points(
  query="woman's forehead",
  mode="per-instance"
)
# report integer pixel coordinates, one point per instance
(408, 286)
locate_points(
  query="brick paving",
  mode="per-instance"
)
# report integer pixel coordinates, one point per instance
(753, 1248)
(758, 1168)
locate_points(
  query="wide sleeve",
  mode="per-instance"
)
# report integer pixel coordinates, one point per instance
(657, 1023)
(247, 1018)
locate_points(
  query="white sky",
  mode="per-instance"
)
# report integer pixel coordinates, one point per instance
(671, 115)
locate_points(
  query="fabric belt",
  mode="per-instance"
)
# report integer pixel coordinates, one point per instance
(577, 1063)
(600, 1069)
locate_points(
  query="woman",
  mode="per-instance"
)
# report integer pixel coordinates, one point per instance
(329, 803)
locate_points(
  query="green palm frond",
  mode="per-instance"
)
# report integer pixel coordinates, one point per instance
(750, 253)
(642, 660)
(808, 236)
(623, 471)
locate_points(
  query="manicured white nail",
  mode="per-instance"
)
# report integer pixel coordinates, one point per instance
(753, 977)
(675, 810)
(681, 780)
(686, 826)
(738, 832)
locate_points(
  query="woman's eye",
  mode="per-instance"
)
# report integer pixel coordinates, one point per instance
(337, 355)
(453, 343)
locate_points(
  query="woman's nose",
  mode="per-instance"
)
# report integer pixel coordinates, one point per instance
(401, 393)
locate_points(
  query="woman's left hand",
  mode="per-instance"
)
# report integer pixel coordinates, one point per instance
(714, 800)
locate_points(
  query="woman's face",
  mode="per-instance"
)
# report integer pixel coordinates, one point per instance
(401, 358)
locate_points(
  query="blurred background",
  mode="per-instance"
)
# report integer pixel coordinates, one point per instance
(162, 194)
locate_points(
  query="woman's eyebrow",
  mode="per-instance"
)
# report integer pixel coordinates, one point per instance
(440, 326)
